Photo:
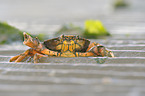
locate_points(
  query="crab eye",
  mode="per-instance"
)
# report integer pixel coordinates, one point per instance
(62, 36)
(78, 37)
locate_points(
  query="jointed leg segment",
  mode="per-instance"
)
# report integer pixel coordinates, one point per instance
(18, 58)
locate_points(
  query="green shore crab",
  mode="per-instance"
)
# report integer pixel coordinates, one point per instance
(63, 46)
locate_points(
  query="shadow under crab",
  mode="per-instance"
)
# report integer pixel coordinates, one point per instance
(63, 46)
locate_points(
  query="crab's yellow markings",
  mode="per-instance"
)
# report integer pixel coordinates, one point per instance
(64, 46)
(58, 47)
(68, 49)
(72, 46)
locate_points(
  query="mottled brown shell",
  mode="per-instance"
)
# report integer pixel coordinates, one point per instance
(82, 44)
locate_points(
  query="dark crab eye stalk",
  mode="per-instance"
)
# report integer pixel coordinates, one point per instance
(61, 37)
(77, 37)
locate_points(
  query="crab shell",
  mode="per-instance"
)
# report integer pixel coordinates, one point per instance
(56, 44)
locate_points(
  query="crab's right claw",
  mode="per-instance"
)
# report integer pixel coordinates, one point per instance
(29, 41)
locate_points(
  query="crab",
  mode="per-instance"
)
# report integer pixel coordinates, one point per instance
(63, 46)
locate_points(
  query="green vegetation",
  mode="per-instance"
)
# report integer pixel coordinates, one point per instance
(92, 29)
(120, 3)
(40, 36)
(69, 29)
(9, 34)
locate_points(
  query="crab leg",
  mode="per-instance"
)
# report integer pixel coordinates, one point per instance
(37, 56)
(50, 53)
(20, 57)
(14, 58)
(86, 54)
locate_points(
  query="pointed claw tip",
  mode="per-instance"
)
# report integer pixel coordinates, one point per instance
(26, 36)
(24, 33)
(111, 54)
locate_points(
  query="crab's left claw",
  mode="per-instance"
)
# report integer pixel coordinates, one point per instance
(105, 52)
(109, 53)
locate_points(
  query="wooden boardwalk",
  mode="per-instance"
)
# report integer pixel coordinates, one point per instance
(123, 75)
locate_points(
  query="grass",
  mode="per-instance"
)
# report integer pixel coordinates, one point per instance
(9, 33)
(120, 3)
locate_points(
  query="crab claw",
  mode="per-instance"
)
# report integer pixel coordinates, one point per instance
(101, 51)
(29, 41)
(104, 52)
